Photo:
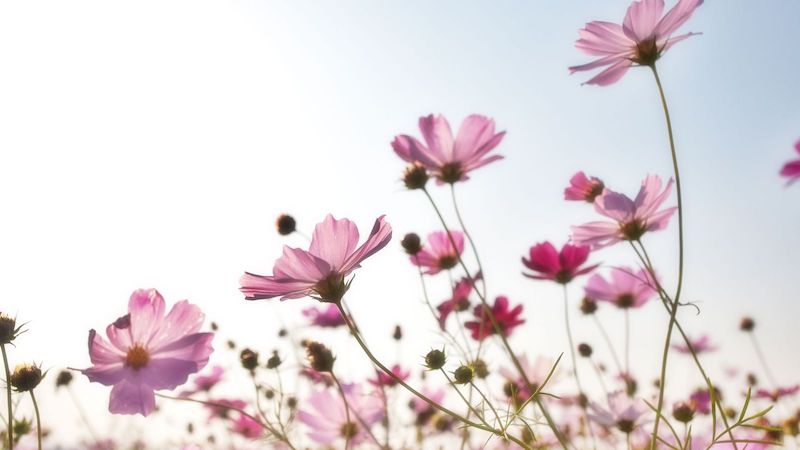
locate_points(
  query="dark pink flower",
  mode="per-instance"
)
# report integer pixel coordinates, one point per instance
(645, 34)
(326, 416)
(247, 427)
(319, 272)
(631, 219)
(382, 379)
(223, 408)
(583, 188)
(325, 316)
(450, 159)
(507, 319)
(459, 301)
(627, 289)
(779, 393)
(204, 382)
(317, 377)
(701, 400)
(148, 350)
(439, 253)
(701, 345)
(791, 169)
(561, 267)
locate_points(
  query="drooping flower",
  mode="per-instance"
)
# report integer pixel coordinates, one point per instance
(791, 169)
(383, 379)
(326, 416)
(204, 382)
(458, 302)
(325, 316)
(319, 272)
(450, 160)
(700, 345)
(645, 34)
(507, 318)
(536, 372)
(627, 288)
(582, 188)
(779, 393)
(561, 267)
(631, 219)
(623, 413)
(439, 253)
(148, 350)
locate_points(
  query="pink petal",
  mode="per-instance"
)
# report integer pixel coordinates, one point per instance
(380, 235)
(412, 150)
(641, 19)
(146, 308)
(258, 287)
(299, 265)
(333, 241)
(615, 206)
(603, 38)
(131, 398)
(612, 74)
(194, 347)
(167, 373)
(437, 134)
(475, 131)
(602, 62)
(676, 17)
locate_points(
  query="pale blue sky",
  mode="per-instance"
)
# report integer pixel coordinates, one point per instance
(151, 144)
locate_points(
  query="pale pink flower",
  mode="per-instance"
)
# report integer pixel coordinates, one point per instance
(247, 427)
(700, 345)
(223, 408)
(450, 159)
(631, 219)
(326, 416)
(623, 412)
(791, 169)
(559, 266)
(779, 393)
(204, 382)
(439, 253)
(626, 288)
(645, 34)
(383, 379)
(420, 406)
(319, 272)
(325, 316)
(583, 188)
(317, 377)
(148, 350)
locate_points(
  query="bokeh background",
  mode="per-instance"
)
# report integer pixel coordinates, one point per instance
(153, 143)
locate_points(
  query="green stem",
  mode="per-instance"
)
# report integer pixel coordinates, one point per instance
(676, 300)
(38, 420)
(763, 360)
(606, 338)
(581, 392)
(10, 431)
(346, 410)
(469, 237)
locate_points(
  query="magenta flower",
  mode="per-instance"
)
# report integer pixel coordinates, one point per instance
(450, 159)
(791, 169)
(439, 253)
(627, 289)
(458, 302)
(582, 188)
(325, 317)
(323, 378)
(778, 393)
(204, 382)
(383, 379)
(148, 350)
(623, 413)
(561, 267)
(247, 427)
(631, 219)
(701, 345)
(645, 34)
(700, 400)
(326, 416)
(319, 272)
(507, 319)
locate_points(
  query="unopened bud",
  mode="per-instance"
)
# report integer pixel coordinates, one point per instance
(26, 377)
(285, 224)
(249, 359)
(464, 375)
(435, 360)
(320, 357)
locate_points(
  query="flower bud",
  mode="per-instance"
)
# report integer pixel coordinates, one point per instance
(274, 361)
(286, 225)
(435, 359)
(415, 176)
(8, 328)
(464, 375)
(588, 306)
(481, 370)
(249, 359)
(585, 350)
(411, 243)
(398, 333)
(320, 357)
(747, 325)
(63, 379)
(683, 412)
(26, 377)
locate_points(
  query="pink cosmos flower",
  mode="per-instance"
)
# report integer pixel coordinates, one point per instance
(631, 218)
(223, 408)
(536, 372)
(439, 253)
(326, 416)
(450, 159)
(645, 34)
(319, 272)
(247, 427)
(382, 379)
(458, 302)
(583, 188)
(507, 319)
(778, 393)
(791, 169)
(701, 345)
(561, 267)
(317, 377)
(701, 401)
(623, 412)
(204, 382)
(420, 406)
(627, 289)
(325, 317)
(148, 350)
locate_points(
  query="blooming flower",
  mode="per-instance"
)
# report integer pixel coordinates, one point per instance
(778, 393)
(627, 289)
(325, 317)
(247, 427)
(791, 169)
(383, 379)
(439, 253)
(321, 270)
(583, 188)
(561, 267)
(327, 416)
(316, 376)
(701, 401)
(222, 408)
(645, 34)
(148, 350)
(204, 382)
(459, 300)
(701, 345)
(631, 218)
(506, 318)
(623, 413)
(450, 159)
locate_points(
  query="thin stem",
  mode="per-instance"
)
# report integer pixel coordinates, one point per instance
(608, 342)
(486, 400)
(82, 414)
(675, 303)
(582, 395)
(469, 237)
(461, 395)
(627, 341)
(10, 431)
(600, 378)
(346, 411)
(38, 420)
(763, 360)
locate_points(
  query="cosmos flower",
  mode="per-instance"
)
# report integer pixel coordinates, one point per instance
(148, 350)
(326, 416)
(645, 34)
(623, 412)
(507, 318)
(791, 169)
(439, 253)
(459, 301)
(382, 379)
(701, 345)
(319, 272)
(627, 288)
(450, 160)
(582, 188)
(325, 316)
(631, 219)
(779, 393)
(204, 382)
(561, 267)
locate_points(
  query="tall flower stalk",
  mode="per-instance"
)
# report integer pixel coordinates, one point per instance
(10, 417)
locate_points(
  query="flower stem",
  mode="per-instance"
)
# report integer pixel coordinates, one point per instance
(763, 360)
(676, 300)
(582, 395)
(38, 420)
(608, 343)
(346, 410)
(469, 238)
(10, 431)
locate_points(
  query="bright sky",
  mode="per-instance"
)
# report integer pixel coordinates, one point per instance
(153, 143)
